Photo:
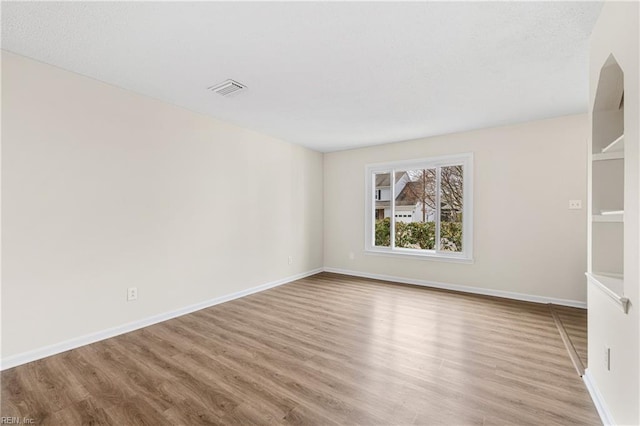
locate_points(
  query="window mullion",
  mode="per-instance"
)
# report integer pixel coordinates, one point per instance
(437, 245)
(372, 207)
(392, 203)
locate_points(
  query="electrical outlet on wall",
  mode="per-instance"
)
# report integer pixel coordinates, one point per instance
(575, 204)
(132, 294)
(290, 259)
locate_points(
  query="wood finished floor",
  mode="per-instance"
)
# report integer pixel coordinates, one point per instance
(575, 324)
(328, 349)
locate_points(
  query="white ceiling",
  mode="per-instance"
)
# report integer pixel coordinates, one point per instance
(327, 75)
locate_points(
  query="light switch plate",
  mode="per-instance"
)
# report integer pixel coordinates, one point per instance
(132, 294)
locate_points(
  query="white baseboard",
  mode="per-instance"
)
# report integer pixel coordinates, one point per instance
(598, 401)
(33, 355)
(462, 288)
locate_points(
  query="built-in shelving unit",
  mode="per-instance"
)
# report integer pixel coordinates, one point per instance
(613, 155)
(606, 197)
(608, 217)
(612, 286)
(615, 146)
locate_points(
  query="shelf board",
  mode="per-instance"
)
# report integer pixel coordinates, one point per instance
(609, 216)
(615, 155)
(615, 146)
(612, 285)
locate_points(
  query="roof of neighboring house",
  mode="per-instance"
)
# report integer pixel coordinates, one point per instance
(407, 197)
(384, 179)
(409, 194)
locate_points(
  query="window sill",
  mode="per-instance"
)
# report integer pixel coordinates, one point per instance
(410, 254)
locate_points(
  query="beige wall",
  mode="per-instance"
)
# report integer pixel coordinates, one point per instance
(103, 189)
(616, 32)
(525, 238)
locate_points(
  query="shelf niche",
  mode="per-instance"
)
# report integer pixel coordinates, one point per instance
(615, 146)
(606, 245)
(607, 186)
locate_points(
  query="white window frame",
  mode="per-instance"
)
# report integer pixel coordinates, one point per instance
(466, 160)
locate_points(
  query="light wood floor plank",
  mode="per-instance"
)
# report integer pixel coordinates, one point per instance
(574, 322)
(327, 349)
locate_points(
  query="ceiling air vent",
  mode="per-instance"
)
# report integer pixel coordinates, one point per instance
(228, 87)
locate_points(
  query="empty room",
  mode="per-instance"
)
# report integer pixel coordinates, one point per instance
(320, 213)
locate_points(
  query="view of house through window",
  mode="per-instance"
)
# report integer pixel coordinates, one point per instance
(383, 208)
(419, 208)
(451, 203)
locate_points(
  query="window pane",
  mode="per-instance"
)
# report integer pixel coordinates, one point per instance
(415, 212)
(382, 209)
(451, 179)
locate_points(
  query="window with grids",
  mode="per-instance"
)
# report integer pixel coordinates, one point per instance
(421, 207)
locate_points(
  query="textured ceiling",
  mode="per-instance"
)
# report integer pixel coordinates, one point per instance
(329, 75)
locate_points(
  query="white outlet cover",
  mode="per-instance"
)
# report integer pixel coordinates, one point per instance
(575, 204)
